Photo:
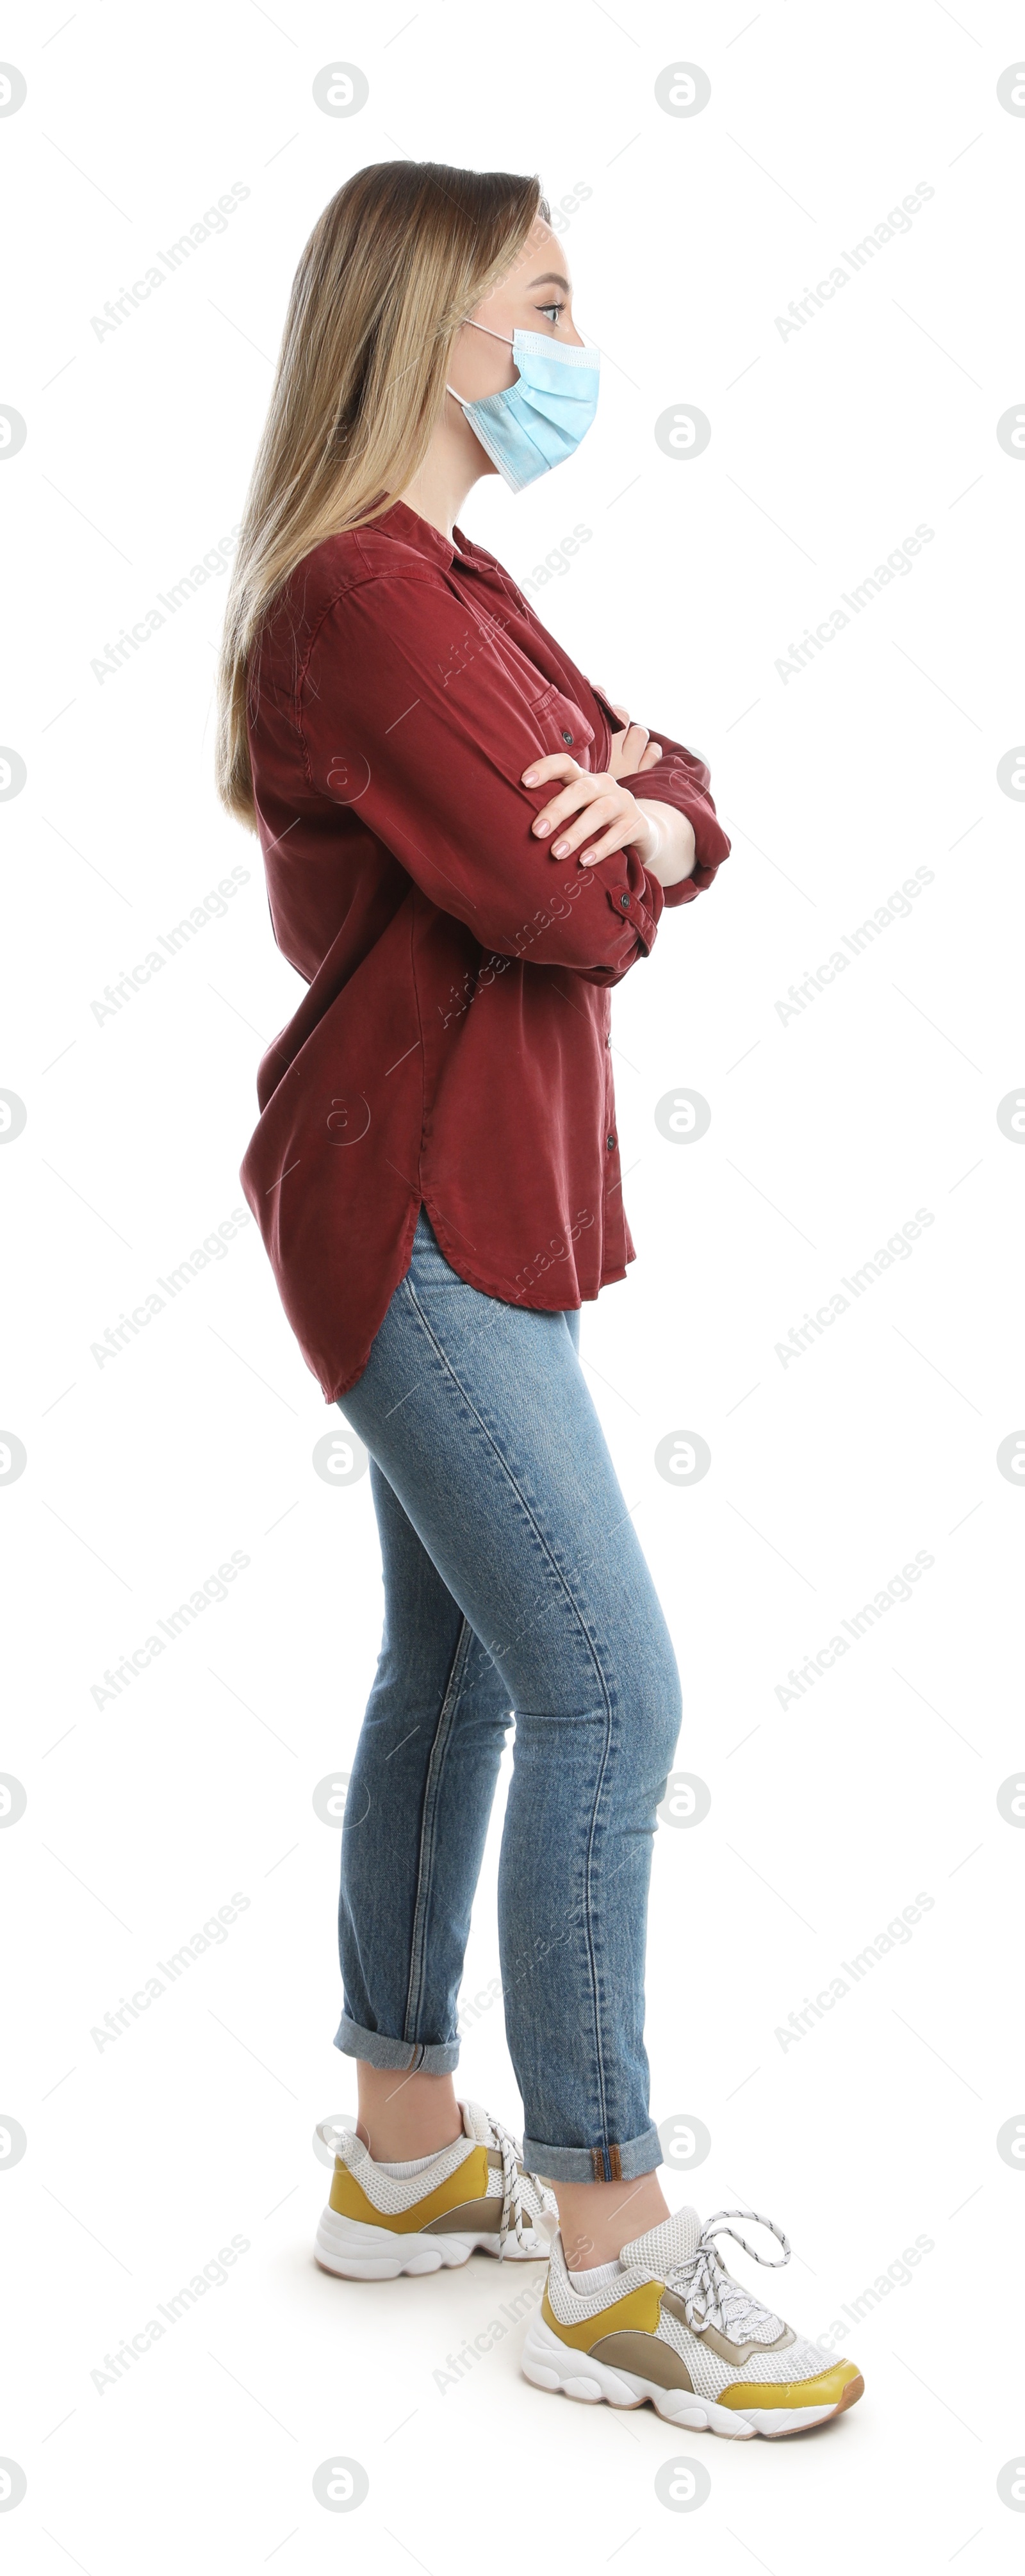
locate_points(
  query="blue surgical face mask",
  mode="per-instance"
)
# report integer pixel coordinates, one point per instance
(532, 425)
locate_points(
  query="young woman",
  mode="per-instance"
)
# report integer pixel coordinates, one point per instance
(466, 845)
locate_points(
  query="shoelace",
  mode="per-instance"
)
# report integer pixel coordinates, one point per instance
(512, 2189)
(709, 2296)
(334, 2132)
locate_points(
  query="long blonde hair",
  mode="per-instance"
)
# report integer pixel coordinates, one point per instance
(397, 260)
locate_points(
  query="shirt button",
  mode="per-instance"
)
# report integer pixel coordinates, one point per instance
(567, 737)
(625, 901)
(610, 1142)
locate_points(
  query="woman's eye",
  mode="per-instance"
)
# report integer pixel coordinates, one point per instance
(553, 309)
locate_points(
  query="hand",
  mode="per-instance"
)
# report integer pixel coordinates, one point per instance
(599, 800)
(673, 849)
(632, 749)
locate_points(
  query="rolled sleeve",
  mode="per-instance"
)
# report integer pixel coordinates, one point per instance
(641, 906)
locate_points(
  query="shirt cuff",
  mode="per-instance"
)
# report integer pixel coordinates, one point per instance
(640, 900)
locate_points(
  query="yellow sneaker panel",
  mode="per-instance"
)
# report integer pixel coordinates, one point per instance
(639, 2309)
(826, 2390)
(468, 2182)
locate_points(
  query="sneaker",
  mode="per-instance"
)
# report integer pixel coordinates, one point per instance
(475, 2194)
(668, 2323)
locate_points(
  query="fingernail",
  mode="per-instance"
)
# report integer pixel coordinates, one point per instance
(530, 778)
(559, 849)
(542, 827)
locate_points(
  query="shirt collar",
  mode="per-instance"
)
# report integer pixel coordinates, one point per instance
(406, 524)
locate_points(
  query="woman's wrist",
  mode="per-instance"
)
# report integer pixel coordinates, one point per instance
(651, 848)
(673, 849)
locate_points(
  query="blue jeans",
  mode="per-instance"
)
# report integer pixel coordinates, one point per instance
(514, 1585)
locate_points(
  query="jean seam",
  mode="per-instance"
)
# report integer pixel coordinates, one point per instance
(599, 1675)
(428, 1825)
(592, 1961)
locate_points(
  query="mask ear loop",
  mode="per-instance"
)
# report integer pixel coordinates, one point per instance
(492, 335)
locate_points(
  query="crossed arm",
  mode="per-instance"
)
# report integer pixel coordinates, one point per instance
(662, 837)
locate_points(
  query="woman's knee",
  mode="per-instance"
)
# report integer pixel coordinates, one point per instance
(669, 1712)
(651, 1696)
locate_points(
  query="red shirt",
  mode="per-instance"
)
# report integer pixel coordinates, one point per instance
(453, 1046)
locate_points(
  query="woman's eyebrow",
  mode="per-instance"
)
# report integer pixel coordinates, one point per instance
(550, 278)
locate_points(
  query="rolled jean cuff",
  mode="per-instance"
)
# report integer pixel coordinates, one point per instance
(594, 2164)
(415, 2057)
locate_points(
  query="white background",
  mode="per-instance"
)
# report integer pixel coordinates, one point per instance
(828, 1131)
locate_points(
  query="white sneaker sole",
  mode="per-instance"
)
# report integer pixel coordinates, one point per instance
(551, 2364)
(359, 2252)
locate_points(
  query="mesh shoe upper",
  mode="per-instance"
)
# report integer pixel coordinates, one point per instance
(709, 2309)
(392, 2194)
(710, 2372)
